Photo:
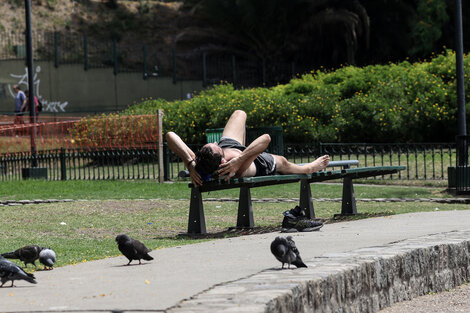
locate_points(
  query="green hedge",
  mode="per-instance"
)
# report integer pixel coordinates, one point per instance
(381, 103)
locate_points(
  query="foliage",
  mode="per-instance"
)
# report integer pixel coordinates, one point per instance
(114, 131)
(279, 29)
(401, 102)
(427, 28)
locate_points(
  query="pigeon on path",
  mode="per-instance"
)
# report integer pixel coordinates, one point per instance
(9, 271)
(132, 248)
(285, 251)
(27, 254)
(47, 258)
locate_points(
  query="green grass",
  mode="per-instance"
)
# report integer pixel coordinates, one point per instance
(81, 231)
(145, 189)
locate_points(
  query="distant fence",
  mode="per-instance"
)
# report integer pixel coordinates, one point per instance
(151, 60)
(120, 147)
(424, 161)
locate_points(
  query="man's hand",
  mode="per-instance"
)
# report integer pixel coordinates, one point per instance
(195, 177)
(230, 168)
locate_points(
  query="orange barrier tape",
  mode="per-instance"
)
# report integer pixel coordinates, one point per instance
(104, 132)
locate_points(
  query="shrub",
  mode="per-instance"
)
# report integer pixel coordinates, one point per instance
(379, 103)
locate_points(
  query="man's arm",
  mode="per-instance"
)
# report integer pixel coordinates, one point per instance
(23, 106)
(238, 165)
(178, 146)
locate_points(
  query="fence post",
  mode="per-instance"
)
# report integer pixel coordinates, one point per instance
(160, 147)
(56, 49)
(85, 52)
(115, 56)
(166, 162)
(63, 168)
(204, 70)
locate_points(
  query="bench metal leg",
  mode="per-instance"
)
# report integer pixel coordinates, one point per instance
(348, 206)
(305, 201)
(245, 209)
(197, 221)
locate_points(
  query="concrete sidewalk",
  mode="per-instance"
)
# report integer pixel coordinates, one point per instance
(179, 273)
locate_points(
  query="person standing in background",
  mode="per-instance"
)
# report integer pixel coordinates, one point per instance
(25, 106)
(20, 97)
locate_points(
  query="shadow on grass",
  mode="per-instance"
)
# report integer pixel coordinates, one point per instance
(359, 216)
(237, 232)
(232, 232)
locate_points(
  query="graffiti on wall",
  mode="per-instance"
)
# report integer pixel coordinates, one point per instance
(48, 105)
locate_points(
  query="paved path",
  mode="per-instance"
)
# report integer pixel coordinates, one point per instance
(181, 272)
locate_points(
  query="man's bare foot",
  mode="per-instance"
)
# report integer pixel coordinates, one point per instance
(320, 164)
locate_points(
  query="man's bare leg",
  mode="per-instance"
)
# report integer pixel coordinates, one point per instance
(285, 167)
(236, 127)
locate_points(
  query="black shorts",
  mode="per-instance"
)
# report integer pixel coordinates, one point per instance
(265, 163)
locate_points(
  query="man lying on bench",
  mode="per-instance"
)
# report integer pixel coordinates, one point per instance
(231, 158)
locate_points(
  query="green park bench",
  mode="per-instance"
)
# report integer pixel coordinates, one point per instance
(197, 223)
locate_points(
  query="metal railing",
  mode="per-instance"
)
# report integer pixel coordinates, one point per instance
(462, 169)
(424, 161)
(151, 60)
(75, 164)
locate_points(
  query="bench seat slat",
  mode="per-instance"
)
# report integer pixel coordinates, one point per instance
(357, 172)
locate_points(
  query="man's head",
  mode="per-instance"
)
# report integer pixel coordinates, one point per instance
(208, 159)
(16, 88)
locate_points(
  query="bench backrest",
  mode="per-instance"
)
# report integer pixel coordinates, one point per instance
(276, 146)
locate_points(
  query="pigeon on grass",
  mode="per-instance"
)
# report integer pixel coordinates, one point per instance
(132, 248)
(27, 254)
(47, 258)
(9, 271)
(285, 251)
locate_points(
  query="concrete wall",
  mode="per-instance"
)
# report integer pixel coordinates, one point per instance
(71, 89)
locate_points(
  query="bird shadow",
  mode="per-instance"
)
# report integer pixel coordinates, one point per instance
(129, 265)
(16, 287)
(282, 269)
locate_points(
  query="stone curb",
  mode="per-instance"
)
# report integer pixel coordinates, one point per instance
(273, 200)
(364, 280)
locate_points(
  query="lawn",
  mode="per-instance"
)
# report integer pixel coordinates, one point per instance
(148, 189)
(156, 214)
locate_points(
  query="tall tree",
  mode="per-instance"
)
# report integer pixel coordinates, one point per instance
(279, 28)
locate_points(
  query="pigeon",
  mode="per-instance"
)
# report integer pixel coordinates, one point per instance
(285, 251)
(27, 254)
(132, 248)
(47, 258)
(11, 271)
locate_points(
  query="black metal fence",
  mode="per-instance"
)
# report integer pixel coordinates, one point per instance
(151, 60)
(462, 169)
(72, 164)
(423, 161)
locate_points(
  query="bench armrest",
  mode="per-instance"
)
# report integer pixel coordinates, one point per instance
(343, 163)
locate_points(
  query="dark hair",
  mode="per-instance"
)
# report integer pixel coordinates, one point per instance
(207, 162)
